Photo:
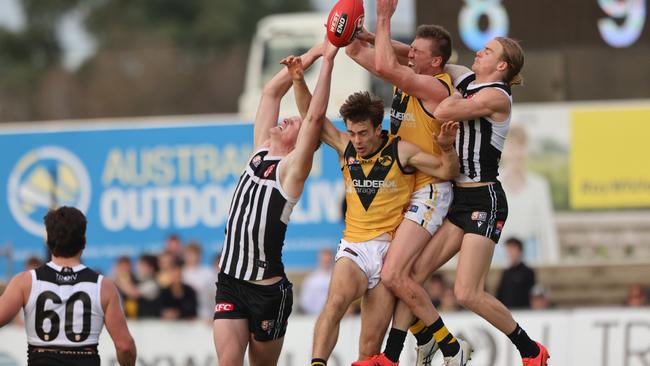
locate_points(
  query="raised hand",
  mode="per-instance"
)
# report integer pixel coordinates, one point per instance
(386, 8)
(447, 135)
(294, 66)
(365, 36)
(330, 50)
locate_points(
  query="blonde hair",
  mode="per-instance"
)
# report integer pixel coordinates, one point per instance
(513, 55)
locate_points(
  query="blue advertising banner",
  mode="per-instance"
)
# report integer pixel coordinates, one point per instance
(137, 184)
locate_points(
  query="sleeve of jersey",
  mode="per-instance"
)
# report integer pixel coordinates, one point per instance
(463, 81)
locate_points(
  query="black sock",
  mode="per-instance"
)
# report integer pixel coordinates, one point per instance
(424, 336)
(447, 342)
(394, 344)
(318, 362)
(526, 346)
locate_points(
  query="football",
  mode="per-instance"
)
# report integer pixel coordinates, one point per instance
(344, 21)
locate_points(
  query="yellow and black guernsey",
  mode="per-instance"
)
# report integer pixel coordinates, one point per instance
(377, 191)
(413, 123)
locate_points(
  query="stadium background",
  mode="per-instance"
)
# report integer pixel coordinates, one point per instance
(142, 110)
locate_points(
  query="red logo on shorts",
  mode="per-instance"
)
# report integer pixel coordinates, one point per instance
(500, 225)
(269, 170)
(224, 307)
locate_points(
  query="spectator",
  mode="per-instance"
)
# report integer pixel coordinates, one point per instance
(313, 292)
(448, 301)
(147, 286)
(200, 277)
(33, 263)
(435, 286)
(174, 245)
(539, 298)
(165, 265)
(517, 280)
(124, 279)
(178, 300)
(636, 296)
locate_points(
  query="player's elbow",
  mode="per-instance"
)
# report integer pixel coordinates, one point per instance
(271, 90)
(125, 346)
(441, 113)
(451, 171)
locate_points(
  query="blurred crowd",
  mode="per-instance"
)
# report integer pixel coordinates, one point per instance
(175, 284)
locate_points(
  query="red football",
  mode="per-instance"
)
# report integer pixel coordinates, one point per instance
(344, 21)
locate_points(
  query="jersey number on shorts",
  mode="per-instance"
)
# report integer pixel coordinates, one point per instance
(55, 321)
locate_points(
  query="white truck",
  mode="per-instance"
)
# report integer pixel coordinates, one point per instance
(281, 35)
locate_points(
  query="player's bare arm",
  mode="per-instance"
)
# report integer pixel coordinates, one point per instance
(116, 326)
(298, 163)
(423, 87)
(14, 297)
(269, 107)
(300, 89)
(330, 134)
(401, 49)
(446, 166)
(361, 52)
(488, 102)
(457, 72)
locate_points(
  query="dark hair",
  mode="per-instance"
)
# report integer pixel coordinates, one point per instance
(440, 40)
(150, 260)
(66, 231)
(515, 242)
(362, 106)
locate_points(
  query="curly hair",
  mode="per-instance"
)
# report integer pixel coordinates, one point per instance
(363, 106)
(66, 231)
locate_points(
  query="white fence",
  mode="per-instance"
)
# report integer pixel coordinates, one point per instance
(594, 337)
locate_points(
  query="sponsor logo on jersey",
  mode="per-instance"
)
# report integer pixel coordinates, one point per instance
(66, 278)
(257, 160)
(224, 307)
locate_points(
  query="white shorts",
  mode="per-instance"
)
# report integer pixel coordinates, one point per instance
(368, 255)
(429, 205)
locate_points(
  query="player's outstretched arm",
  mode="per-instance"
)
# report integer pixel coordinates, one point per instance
(116, 326)
(330, 134)
(298, 163)
(389, 69)
(401, 49)
(13, 298)
(446, 166)
(269, 108)
(488, 102)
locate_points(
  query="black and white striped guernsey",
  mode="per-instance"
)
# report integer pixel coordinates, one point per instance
(257, 221)
(479, 142)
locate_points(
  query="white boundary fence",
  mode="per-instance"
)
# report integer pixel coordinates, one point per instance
(594, 337)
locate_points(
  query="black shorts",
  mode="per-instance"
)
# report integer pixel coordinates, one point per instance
(62, 356)
(480, 210)
(267, 307)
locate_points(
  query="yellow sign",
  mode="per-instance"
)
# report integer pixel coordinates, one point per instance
(609, 159)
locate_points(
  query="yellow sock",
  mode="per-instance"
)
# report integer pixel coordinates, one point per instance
(417, 327)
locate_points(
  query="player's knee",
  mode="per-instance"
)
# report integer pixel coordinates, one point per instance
(390, 278)
(337, 303)
(467, 297)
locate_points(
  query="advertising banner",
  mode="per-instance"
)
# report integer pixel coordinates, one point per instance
(137, 184)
